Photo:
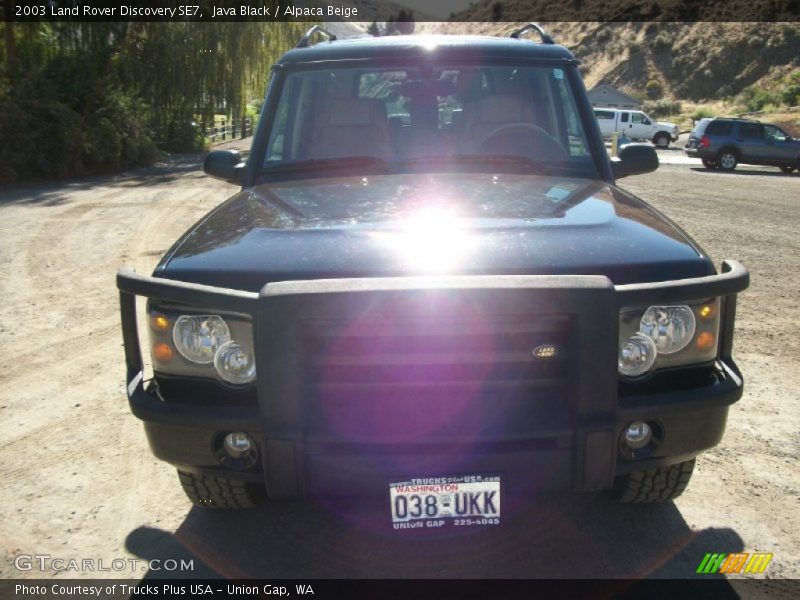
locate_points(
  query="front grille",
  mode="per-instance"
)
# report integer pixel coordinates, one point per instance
(402, 379)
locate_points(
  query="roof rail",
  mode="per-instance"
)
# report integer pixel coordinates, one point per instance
(304, 41)
(546, 39)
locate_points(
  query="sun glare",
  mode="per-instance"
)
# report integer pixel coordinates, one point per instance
(431, 240)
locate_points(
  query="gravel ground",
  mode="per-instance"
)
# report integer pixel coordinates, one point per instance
(79, 480)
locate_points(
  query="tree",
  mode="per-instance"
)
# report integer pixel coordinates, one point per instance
(98, 96)
(654, 89)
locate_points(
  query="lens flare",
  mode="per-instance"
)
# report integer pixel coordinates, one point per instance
(431, 240)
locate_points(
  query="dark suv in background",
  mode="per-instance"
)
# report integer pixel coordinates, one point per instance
(724, 143)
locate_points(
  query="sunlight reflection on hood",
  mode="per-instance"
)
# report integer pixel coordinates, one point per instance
(431, 240)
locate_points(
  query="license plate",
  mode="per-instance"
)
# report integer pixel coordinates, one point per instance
(445, 501)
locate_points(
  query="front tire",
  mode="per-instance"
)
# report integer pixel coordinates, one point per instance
(653, 485)
(220, 493)
(727, 160)
(661, 140)
(787, 169)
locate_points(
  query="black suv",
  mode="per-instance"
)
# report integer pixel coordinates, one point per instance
(724, 143)
(430, 290)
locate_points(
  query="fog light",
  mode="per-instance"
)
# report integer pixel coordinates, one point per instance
(638, 435)
(237, 444)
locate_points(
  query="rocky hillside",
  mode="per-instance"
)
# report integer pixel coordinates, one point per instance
(692, 61)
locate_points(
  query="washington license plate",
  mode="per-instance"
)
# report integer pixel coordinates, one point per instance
(445, 501)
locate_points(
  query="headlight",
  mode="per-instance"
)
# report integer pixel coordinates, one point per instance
(670, 327)
(201, 346)
(676, 335)
(636, 355)
(235, 364)
(198, 337)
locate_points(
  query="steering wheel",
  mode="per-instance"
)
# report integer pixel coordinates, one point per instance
(516, 138)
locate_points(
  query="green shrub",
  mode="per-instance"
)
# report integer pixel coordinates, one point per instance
(701, 112)
(603, 35)
(662, 108)
(663, 41)
(53, 138)
(754, 98)
(654, 89)
(791, 94)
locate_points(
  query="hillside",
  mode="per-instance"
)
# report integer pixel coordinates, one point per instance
(693, 61)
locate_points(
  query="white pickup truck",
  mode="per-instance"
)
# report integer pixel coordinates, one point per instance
(635, 125)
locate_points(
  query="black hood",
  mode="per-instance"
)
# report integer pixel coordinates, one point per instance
(423, 224)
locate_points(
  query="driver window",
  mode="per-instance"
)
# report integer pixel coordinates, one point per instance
(774, 134)
(637, 117)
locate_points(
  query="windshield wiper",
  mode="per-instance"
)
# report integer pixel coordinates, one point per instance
(327, 164)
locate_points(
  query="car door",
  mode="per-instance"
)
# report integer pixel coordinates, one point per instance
(752, 144)
(778, 149)
(640, 126)
(624, 123)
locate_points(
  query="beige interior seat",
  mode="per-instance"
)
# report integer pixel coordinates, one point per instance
(352, 127)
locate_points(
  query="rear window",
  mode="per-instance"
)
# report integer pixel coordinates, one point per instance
(719, 128)
(604, 114)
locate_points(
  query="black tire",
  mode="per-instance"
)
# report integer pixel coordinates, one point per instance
(661, 140)
(709, 164)
(220, 493)
(653, 485)
(727, 160)
(787, 169)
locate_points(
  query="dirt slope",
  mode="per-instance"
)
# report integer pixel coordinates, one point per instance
(694, 61)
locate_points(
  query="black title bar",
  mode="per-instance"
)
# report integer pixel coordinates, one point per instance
(397, 10)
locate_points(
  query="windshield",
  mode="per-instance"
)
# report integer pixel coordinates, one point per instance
(521, 119)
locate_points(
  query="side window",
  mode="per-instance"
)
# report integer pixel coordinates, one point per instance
(751, 131)
(637, 117)
(575, 134)
(774, 134)
(623, 117)
(279, 138)
(719, 128)
(604, 114)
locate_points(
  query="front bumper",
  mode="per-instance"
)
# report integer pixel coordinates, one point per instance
(564, 434)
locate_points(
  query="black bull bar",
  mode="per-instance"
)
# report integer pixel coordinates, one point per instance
(278, 308)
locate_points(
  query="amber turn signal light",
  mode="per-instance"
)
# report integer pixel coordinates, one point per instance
(706, 341)
(162, 352)
(159, 322)
(708, 311)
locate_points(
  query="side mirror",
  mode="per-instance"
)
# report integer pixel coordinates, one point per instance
(634, 159)
(224, 164)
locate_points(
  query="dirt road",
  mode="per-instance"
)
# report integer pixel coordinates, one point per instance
(79, 481)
